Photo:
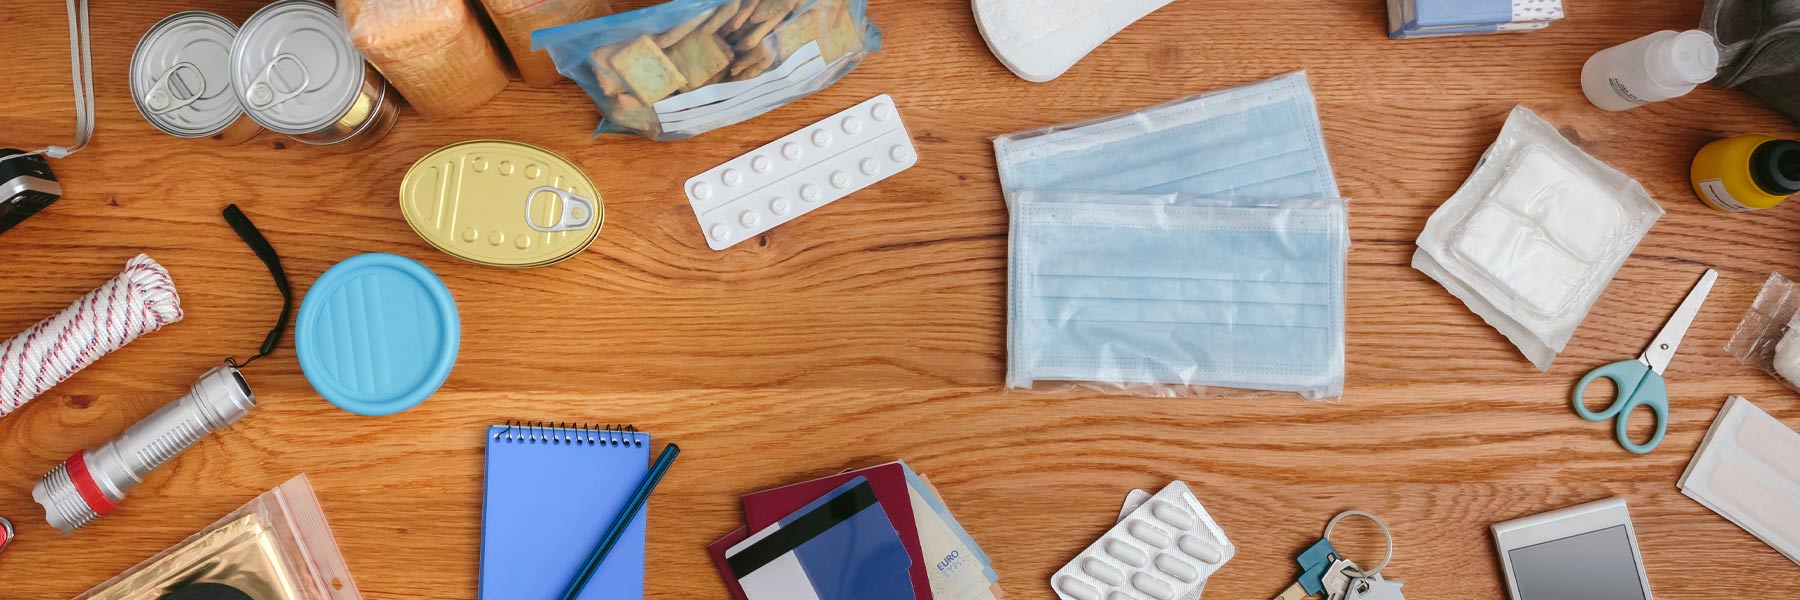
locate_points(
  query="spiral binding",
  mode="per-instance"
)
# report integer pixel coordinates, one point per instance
(548, 432)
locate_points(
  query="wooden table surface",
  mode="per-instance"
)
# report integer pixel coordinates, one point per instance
(872, 329)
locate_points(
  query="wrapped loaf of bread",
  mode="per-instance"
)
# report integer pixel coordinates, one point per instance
(516, 19)
(435, 52)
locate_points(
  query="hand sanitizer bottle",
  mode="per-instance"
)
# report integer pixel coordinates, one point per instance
(1653, 68)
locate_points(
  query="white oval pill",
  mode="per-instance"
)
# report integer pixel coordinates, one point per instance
(778, 206)
(840, 180)
(1077, 588)
(1156, 588)
(1207, 552)
(761, 164)
(1177, 568)
(881, 112)
(702, 191)
(720, 231)
(809, 192)
(852, 125)
(1175, 517)
(790, 151)
(899, 153)
(749, 219)
(1109, 574)
(732, 177)
(1150, 534)
(821, 137)
(1126, 553)
(869, 166)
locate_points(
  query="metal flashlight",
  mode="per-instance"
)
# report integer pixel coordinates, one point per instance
(93, 481)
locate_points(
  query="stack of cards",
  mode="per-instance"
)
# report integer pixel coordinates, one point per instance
(880, 533)
(1435, 18)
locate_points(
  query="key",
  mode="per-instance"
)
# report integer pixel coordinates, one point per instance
(1313, 563)
(1338, 577)
(1374, 589)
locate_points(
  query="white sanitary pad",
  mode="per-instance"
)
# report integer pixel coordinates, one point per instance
(1535, 235)
(1041, 39)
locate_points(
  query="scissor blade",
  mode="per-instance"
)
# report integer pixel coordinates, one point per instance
(1662, 349)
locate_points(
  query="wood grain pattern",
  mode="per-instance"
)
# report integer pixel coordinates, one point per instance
(873, 329)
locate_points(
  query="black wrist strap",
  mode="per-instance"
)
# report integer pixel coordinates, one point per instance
(247, 230)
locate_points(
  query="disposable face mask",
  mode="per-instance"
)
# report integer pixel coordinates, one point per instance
(1535, 235)
(1167, 295)
(1759, 46)
(1260, 141)
(1745, 471)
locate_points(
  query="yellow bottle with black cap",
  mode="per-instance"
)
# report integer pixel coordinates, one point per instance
(1747, 172)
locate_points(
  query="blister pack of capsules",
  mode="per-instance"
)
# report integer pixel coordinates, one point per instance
(1163, 550)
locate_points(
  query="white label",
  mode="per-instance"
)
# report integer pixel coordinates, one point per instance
(1714, 190)
(801, 171)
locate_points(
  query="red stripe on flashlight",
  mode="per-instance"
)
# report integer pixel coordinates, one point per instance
(84, 484)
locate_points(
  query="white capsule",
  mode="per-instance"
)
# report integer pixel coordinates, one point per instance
(1077, 588)
(1109, 574)
(1156, 588)
(1207, 552)
(1176, 517)
(1126, 553)
(1150, 534)
(1176, 568)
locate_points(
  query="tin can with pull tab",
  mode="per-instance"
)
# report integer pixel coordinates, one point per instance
(296, 72)
(502, 204)
(181, 79)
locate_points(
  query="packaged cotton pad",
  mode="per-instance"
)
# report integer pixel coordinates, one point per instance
(1535, 234)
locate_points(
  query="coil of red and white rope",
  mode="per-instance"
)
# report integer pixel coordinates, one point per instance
(139, 300)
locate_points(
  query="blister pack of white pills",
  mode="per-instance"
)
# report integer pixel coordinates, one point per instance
(800, 172)
(1163, 550)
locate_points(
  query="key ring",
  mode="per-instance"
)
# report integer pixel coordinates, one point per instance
(1378, 523)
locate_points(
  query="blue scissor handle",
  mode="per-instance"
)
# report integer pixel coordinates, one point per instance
(1636, 386)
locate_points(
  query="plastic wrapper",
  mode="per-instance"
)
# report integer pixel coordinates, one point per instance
(276, 547)
(435, 52)
(516, 19)
(1171, 295)
(1769, 336)
(1535, 235)
(683, 68)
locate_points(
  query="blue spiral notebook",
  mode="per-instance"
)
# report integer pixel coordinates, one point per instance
(550, 494)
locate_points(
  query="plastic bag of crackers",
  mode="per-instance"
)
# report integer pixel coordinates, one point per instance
(683, 68)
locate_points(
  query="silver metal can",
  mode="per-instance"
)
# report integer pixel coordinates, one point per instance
(297, 73)
(181, 79)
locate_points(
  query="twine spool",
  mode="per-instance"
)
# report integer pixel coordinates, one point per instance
(139, 300)
(434, 51)
(516, 19)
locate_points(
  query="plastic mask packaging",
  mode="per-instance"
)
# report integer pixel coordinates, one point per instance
(682, 68)
(1169, 295)
(1260, 141)
(1769, 336)
(1745, 471)
(1535, 235)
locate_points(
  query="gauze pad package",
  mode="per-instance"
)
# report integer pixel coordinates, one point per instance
(1040, 39)
(1165, 548)
(1769, 336)
(1170, 295)
(1746, 471)
(1534, 236)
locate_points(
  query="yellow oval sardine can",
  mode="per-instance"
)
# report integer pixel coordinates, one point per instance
(503, 204)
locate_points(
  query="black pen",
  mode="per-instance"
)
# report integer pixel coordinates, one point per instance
(638, 499)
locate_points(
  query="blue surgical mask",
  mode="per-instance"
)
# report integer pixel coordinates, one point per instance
(1191, 246)
(1259, 141)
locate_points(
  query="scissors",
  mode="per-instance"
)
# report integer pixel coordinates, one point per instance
(1640, 382)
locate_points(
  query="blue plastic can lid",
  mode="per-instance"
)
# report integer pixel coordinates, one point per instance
(377, 334)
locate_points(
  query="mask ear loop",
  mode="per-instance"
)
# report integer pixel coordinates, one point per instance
(81, 73)
(260, 245)
(1378, 523)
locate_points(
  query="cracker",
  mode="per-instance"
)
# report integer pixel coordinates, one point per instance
(609, 80)
(839, 36)
(699, 57)
(749, 38)
(743, 15)
(646, 71)
(752, 63)
(632, 113)
(799, 31)
(722, 15)
(670, 37)
(773, 10)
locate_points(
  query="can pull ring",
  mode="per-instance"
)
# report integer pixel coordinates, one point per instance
(577, 211)
(171, 91)
(263, 94)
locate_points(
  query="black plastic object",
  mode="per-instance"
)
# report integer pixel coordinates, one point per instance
(26, 187)
(1776, 167)
(207, 591)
